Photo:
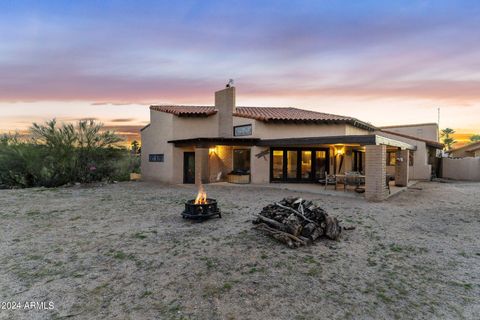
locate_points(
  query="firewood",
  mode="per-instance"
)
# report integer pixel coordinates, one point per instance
(272, 223)
(293, 224)
(332, 230)
(290, 240)
(297, 222)
(308, 229)
(295, 211)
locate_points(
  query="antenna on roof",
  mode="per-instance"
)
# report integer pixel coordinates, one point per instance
(229, 84)
(438, 117)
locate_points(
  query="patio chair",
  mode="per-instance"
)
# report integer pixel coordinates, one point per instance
(352, 178)
(389, 178)
(329, 179)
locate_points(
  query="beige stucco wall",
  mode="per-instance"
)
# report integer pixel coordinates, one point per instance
(164, 127)
(191, 127)
(427, 131)
(266, 130)
(154, 141)
(461, 169)
(420, 170)
(259, 166)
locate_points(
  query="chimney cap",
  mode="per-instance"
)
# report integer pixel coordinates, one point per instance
(229, 84)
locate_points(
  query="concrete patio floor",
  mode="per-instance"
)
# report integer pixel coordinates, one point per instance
(317, 188)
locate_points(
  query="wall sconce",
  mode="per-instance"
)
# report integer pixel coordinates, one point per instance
(339, 151)
(211, 151)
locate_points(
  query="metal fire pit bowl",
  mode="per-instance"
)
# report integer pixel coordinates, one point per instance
(201, 211)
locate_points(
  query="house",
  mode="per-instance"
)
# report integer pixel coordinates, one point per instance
(203, 144)
(425, 161)
(468, 150)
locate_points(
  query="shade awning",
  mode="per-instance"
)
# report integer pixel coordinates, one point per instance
(292, 142)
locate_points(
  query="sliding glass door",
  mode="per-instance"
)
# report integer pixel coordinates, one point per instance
(277, 165)
(321, 164)
(298, 164)
(292, 165)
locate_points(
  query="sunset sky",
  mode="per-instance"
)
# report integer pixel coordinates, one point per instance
(384, 62)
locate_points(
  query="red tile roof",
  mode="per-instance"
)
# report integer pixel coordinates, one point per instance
(282, 114)
(266, 114)
(187, 111)
(468, 147)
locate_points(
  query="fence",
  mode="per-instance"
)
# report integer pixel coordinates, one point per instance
(461, 169)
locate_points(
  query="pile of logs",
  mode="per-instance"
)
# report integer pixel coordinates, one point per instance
(297, 222)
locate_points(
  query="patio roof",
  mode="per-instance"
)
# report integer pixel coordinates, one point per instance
(210, 142)
(286, 142)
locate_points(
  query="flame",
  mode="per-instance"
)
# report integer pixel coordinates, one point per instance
(201, 196)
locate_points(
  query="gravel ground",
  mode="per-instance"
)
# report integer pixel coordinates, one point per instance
(121, 251)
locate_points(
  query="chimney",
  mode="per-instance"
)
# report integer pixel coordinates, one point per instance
(225, 104)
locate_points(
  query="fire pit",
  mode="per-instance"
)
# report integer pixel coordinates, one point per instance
(201, 208)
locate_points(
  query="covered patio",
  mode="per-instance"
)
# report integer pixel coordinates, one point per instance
(298, 161)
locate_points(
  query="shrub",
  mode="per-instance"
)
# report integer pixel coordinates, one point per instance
(55, 155)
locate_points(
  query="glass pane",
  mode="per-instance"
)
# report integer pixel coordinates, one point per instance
(320, 164)
(277, 164)
(241, 161)
(307, 165)
(291, 164)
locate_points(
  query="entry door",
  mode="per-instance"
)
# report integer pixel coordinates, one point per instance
(189, 167)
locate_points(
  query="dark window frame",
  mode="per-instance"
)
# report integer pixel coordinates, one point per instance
(156, 157)
(249, 158)
(298, 177)
(242, 126)
(389, 158)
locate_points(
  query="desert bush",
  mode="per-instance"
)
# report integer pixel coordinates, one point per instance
(55, 155)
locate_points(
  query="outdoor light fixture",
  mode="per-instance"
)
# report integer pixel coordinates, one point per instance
(339, 150)
(212, 150)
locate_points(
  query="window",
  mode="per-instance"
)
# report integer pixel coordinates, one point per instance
(320, 164)
(244, 130)
(391, 158)
(241, 161)
(292, 157)
(277, 164)
(156, 157)
(306, 165)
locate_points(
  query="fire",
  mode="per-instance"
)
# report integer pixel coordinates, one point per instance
(201, 196)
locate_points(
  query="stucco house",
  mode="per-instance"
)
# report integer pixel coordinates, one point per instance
(468, 150)
(425, 161)
(204, 144)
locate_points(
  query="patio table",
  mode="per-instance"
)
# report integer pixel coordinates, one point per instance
(358, 179)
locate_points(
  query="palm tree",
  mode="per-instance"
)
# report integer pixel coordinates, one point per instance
(447, 139)
(475, 138)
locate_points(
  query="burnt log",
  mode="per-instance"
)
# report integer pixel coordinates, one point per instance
(332, 228)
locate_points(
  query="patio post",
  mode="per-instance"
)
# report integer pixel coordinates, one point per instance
(202, 173)
(401, 168)
(375, 172)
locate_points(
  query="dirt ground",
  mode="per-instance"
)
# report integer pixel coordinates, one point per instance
(122, 251)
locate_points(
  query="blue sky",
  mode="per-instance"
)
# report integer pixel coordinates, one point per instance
(369, 59)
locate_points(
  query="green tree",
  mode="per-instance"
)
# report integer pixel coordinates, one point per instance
(447, 139)
(135, 147)
(475, 138)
